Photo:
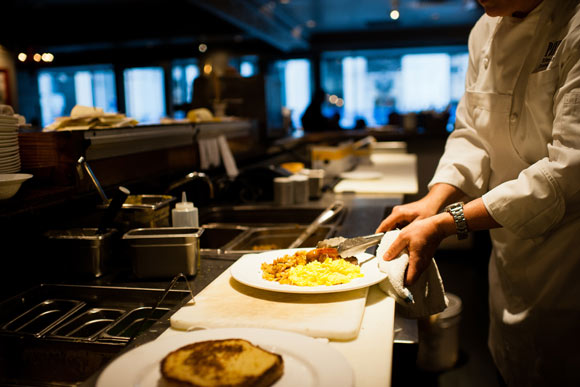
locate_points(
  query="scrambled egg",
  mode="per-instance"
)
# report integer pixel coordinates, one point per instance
(330, 272)
(317, 267)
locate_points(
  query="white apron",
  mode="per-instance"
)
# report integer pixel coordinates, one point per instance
(517, 145)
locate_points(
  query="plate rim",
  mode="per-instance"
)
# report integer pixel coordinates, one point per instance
(238, 275)
(151, 353)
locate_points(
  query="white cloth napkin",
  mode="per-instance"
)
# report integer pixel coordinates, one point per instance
(425, 297)
(227, 157)
(203, 156)
(214, 152)
(209, 153)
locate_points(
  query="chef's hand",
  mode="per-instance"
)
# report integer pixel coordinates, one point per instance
(404, 214)
(421, 238)
(438, 196)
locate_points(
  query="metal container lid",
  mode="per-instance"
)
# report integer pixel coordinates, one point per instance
(79, 234)
(163, 232)
(147, 202)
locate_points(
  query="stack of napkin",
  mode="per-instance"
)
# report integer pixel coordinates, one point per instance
(425, 297)
(87, 117)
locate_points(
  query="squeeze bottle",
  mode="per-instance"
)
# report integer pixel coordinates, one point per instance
(184, 214)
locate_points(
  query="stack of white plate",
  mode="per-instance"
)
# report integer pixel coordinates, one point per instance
(9, 151)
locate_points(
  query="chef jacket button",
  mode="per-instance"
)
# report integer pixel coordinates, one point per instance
(514, 117)
(485, 62)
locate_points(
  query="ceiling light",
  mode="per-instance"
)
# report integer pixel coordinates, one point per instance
(47, 57)
(37, 57)
(297, 32)
(394, 14)
(22, 57)
(207, 69)
(202, 47)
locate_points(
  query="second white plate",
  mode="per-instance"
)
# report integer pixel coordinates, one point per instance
(307, 362)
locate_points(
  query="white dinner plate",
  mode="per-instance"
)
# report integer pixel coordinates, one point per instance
(361, 175)
(247, 270)
(307, 361)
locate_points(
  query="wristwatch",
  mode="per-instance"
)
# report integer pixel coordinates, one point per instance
(456, 210)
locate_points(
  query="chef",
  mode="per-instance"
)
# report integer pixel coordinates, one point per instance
(514, 159)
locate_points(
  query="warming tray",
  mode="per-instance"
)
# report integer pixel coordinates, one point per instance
(83, 313)
(63, 334)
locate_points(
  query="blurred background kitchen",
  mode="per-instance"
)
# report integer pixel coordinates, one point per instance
(147, 90)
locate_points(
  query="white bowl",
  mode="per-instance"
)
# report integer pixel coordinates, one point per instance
(10, 184)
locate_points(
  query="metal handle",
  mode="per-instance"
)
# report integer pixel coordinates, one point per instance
(328, 213)
(82, 162)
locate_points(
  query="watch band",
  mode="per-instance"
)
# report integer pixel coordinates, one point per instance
(456, 210)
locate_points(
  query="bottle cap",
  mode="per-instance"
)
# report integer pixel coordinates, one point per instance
(184, 205)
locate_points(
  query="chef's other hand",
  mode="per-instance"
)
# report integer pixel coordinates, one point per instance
(421, 238)
(404, 214)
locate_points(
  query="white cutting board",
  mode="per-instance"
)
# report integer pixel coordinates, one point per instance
(226, 303)
(398, 175)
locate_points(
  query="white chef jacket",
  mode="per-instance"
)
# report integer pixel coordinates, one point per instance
(516, 144)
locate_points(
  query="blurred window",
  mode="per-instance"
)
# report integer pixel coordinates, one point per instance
(425, 81)
(183, 73)
(145, 94)
(61, 89)
(295, 87)
(370, 85)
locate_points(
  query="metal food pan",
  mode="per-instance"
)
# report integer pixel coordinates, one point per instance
(145, 211)
(88, 325)
(272, 238)
(134, 322)
(43, 316)
(217, 235)
(81, 251)
(164, 252)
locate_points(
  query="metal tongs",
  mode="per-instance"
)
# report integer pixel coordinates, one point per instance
(348, 247)
(327, 214)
